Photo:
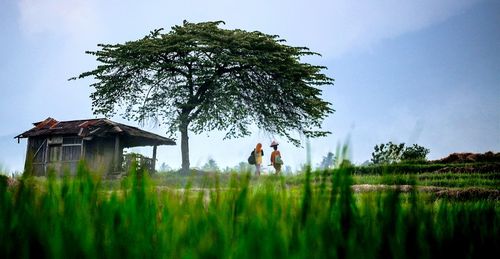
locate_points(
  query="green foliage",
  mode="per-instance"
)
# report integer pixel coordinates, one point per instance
(476, 176)
(79, 217)
(387, 153)
(200, 77)
(211, 166)
(419, 168)
(165, 168)
(415, 153)
(328, 161)
(393, 153)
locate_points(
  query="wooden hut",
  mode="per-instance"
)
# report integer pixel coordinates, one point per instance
(99, 142)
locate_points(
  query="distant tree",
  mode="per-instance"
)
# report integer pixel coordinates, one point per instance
(211, 165)
(244, 167)
(393, 153)
(165, 168)
(328, 161)
(346, 163)
(288, 170)
(227, 169)
(415, 153)
(387, 153)
(199, 77)
(366, 163)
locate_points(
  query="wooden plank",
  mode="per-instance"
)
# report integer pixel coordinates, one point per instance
(84, 149)
(116, 160)
(46, 158)
(38, 150)
(154, 159)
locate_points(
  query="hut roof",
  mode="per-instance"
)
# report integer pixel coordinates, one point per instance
(90, 128)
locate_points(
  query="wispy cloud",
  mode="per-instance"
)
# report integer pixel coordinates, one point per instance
(333, 28)
(343, 26)
(60, 17)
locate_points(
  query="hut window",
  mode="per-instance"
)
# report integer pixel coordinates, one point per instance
(71, 149)
(54, 153)
(71, 153)
(72, 141)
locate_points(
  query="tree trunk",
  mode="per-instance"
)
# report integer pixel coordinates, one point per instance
(184, 147)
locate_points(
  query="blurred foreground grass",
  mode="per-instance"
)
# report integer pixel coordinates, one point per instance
(238, 217)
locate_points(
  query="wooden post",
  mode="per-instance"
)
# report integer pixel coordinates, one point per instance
(46, 157)
(28, 163)
(117, 154)
(154, 159)
(82, 149)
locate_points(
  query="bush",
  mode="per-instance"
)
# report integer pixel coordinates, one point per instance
(415, 153)
(394, 153)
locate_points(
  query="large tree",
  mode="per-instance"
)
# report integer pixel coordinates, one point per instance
(199, 77)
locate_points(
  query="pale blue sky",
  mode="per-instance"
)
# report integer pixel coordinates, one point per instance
(425, 72)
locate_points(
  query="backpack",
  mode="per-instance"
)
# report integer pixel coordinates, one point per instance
(278, 160)
(251, 158)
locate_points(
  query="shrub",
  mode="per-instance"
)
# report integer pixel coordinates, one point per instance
(394, 153)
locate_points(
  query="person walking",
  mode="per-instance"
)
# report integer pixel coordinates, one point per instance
(258, 153)
(276, 160)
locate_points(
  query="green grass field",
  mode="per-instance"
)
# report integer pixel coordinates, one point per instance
(312, 215)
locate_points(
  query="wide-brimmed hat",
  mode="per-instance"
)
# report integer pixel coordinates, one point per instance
(274, 143)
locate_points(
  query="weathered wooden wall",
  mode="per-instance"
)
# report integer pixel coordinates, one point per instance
(35, 156)
(99, 154)
(63, 154)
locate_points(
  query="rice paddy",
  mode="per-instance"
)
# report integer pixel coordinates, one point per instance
(313, 215)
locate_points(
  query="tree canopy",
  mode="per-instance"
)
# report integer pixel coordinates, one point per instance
(393, 153)
(199, 77)
(328, 161)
